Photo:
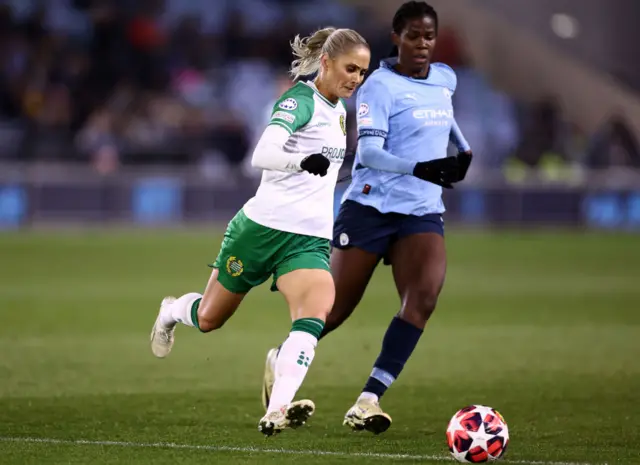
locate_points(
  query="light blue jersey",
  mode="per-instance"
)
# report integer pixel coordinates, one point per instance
(402, 121)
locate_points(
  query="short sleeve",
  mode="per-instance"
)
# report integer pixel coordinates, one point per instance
(294, 109)
(374, 104)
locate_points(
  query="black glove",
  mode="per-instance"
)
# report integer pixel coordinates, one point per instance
(464, 161)
(442, 171)
(316, 164)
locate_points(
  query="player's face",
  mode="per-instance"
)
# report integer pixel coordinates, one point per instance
(415, 44)
(347, 71)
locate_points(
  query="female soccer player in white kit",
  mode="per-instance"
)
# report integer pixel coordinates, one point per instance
(286, 228)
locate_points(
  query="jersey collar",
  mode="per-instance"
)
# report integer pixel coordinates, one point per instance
(317, 92)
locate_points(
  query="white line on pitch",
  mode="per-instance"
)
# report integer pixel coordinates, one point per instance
(170, 445)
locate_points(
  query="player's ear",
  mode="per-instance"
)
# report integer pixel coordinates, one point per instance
(325, 62)
(395, 39)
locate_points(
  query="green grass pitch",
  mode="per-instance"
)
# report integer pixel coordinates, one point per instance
(543, 326)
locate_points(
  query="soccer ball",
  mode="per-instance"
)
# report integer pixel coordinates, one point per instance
(477, 434)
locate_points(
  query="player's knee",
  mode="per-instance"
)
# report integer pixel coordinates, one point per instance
(422, 303)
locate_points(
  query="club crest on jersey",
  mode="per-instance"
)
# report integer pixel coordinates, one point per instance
(288, 104)
(234, 266)
(446, 92)
(363, 110)
(343, 126)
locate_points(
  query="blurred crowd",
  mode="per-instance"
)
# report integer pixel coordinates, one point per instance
(117, 82)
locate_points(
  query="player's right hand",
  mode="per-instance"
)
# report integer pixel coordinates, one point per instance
(442, 171)
(316, 164)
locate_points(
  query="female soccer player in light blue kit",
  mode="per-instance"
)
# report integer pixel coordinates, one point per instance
(393, 208)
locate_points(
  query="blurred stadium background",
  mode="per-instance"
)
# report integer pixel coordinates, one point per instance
(125, 133)
(147, 111)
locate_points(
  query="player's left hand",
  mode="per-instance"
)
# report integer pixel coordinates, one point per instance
(464, 161)
(441, 171)
(316, 164)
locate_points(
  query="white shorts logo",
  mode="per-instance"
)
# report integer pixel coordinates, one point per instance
(363, 110)
(288, 117)
(344, 239)
(288, 104)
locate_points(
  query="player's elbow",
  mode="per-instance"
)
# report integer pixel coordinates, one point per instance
(258, 160)
(367, 156)
(364, 160)
(369, 151)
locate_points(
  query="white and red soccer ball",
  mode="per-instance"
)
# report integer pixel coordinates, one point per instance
(477, 434)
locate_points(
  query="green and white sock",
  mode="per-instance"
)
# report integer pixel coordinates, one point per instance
(294, 359)
(184, 310)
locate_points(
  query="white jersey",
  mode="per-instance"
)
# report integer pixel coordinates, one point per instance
(300, 202)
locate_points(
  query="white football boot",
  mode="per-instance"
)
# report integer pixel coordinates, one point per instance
(294, 415)
(161, 335)
(367, 415)
(269, 377)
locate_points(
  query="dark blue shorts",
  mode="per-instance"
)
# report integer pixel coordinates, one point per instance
(366, 228)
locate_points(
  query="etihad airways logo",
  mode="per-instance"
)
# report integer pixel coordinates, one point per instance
(439, 117)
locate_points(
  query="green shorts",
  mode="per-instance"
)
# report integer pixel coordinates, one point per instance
(251, 253)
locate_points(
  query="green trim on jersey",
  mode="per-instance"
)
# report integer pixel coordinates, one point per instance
(294, 109)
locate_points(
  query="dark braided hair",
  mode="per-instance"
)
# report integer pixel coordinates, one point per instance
(408, 11)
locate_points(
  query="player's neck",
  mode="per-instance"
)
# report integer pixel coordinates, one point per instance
(415, 74)
(321, 86)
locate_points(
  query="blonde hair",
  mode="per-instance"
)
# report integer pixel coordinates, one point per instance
(309, 50)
